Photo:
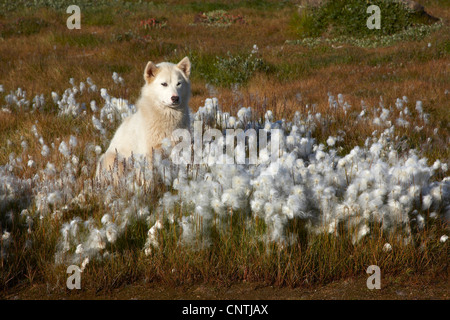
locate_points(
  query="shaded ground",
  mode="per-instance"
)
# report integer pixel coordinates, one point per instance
(392, 288)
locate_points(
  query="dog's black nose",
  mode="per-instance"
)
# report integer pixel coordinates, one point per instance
(175, 99)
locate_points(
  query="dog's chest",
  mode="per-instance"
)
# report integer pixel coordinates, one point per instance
(161, 125)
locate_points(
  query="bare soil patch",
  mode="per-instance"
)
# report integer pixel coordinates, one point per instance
(415, 287)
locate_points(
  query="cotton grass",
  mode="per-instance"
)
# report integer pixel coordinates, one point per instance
(310, 181)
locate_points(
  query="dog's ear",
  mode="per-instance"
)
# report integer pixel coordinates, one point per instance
(150, 71)
(185, 66)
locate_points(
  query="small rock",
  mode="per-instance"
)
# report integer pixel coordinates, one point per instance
(414, 6)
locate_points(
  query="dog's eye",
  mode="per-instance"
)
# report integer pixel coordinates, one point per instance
(164, 84)
(178, 84)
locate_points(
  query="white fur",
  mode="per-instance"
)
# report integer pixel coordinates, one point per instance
(157, 116)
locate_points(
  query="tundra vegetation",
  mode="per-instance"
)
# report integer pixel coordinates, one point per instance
(363, 171)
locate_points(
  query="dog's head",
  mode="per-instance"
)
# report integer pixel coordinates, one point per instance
(167, 84)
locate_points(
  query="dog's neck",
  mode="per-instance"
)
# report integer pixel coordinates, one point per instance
(163, 121)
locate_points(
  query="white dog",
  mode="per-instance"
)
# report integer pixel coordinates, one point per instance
(162, 108)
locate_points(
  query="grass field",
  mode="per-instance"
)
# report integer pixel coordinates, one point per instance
(371, 186)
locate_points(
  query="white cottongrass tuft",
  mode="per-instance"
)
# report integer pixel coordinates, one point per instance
(331, 141)
(387, 247)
